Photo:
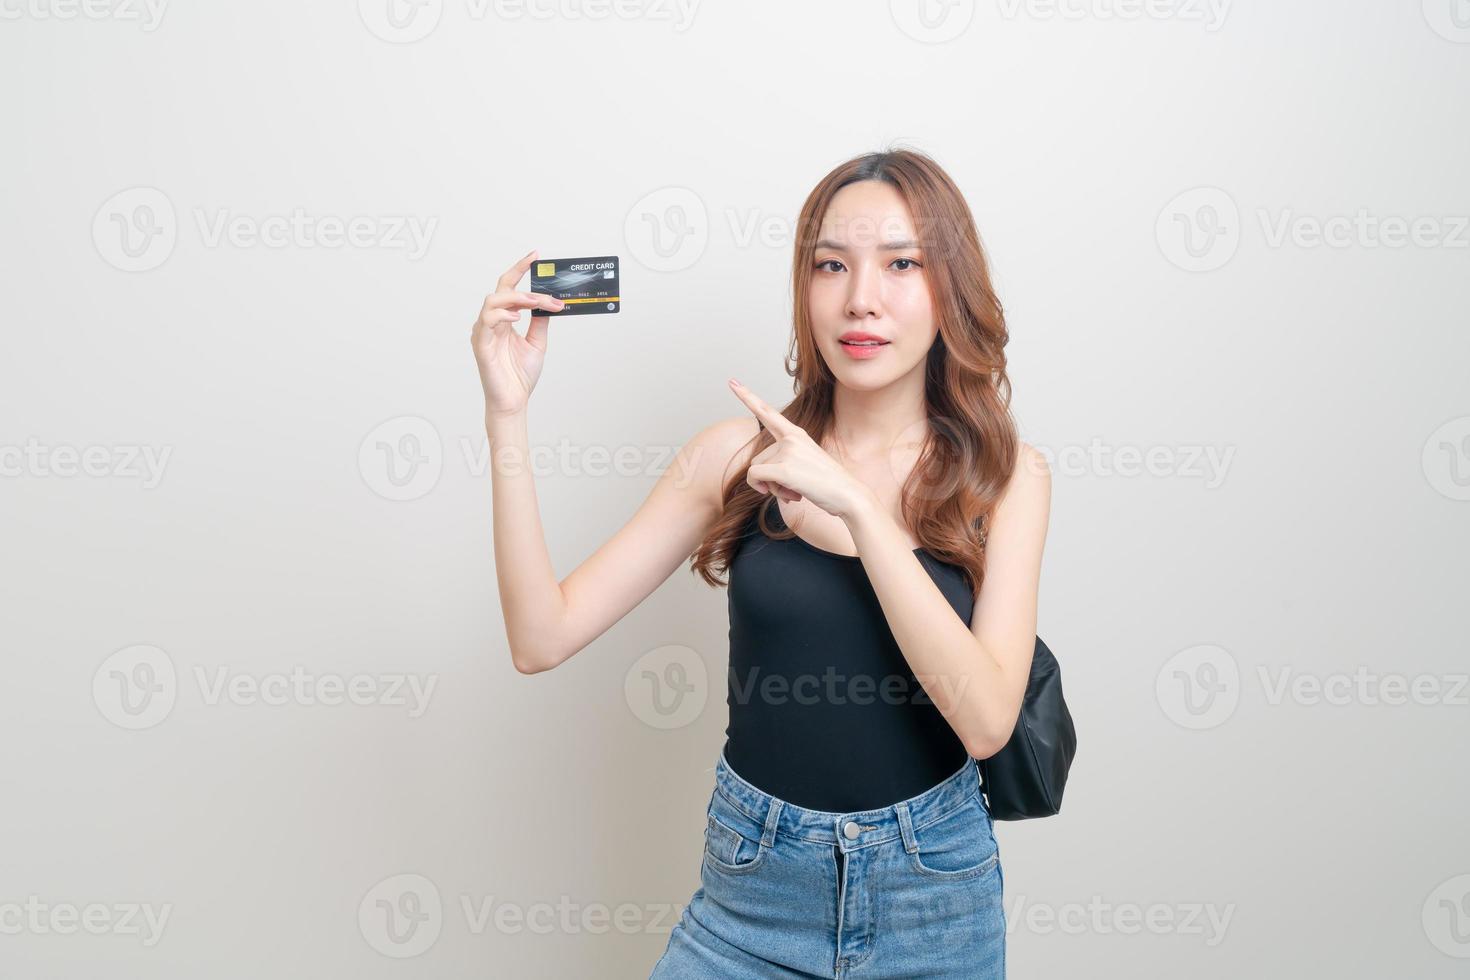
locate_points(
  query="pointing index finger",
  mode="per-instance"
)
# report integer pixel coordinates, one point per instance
(773, 419)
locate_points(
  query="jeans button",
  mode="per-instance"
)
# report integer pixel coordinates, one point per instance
(851, 830)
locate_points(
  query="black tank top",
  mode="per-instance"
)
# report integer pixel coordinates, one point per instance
(825, 712)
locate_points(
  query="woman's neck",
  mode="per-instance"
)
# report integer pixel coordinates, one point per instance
(868, 424)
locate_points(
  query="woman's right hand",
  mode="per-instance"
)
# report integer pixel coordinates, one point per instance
(510, 363)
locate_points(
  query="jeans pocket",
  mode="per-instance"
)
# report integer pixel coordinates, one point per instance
(732, 839)
(959, 845)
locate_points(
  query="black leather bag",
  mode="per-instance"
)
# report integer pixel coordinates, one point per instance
(1025, 779)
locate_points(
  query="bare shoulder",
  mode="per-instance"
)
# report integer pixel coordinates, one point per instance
(1029, 488)
(1033, 473)
(718, 451)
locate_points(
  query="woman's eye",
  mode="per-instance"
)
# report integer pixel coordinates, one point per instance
(827, 262)
(910, 262)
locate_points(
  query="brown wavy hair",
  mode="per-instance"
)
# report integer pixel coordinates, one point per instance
(971, 446)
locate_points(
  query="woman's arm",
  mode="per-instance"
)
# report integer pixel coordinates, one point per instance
(546, 621)
(975, 673)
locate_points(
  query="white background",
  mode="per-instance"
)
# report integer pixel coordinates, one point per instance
(320, 499)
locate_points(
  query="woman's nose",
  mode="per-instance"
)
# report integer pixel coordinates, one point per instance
(863, 292)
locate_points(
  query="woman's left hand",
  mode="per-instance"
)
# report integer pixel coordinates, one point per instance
(794, 466)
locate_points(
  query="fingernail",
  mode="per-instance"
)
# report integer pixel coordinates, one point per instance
(736, 383)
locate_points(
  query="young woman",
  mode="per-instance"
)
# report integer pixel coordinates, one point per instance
(882, 536)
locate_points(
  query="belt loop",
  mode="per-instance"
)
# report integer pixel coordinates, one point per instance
(773, 816)
(906, 827)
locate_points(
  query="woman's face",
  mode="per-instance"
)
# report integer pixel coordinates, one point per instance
(868, 278)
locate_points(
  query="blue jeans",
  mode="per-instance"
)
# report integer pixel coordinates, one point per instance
(911, 890)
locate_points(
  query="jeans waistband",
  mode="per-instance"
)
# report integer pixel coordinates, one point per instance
(852, 830)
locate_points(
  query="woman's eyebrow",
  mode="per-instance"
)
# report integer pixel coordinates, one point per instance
(885, 246)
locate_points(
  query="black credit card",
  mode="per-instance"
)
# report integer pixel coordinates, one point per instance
(586, 285)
